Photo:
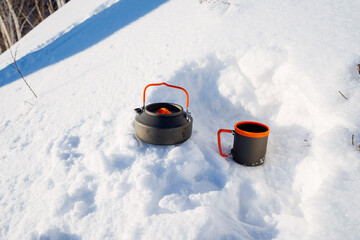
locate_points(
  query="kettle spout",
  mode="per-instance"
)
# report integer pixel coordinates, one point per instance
(138, 110)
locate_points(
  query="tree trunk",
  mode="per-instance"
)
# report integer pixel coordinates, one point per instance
(5, 33)
(50, 7)
(15, 19)
(60, 3)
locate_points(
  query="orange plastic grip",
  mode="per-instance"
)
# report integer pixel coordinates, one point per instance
(219, 140)
(168, 85)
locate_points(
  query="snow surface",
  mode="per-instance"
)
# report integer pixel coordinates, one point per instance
(72, 167)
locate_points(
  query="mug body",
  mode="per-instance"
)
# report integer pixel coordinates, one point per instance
(250, 142)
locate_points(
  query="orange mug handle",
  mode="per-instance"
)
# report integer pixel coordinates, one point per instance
(219, 140)
(168, 85)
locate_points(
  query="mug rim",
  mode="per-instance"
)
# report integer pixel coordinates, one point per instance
(252, 134)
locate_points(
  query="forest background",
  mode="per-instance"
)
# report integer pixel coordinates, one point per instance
(18, 17)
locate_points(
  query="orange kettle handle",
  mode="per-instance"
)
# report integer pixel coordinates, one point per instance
(168, 85)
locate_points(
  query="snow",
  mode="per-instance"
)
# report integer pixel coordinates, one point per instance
(72, 167)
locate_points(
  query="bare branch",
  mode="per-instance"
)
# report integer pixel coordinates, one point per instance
(343, 95)
(13, 56)
(352, 140)
(27, 18)
(21, 6)
(11, 65)
(38, 10)
(27, 102)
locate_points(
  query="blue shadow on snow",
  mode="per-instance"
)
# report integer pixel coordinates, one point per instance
(81, 37)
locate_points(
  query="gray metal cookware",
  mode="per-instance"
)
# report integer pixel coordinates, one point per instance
(163, 123)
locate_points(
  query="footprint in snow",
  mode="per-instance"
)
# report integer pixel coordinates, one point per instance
(54, 233)
(67, 149)
(79, 200)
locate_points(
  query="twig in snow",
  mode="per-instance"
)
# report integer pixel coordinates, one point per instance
(306, 145)
(343, 95)
(214, 1)
(352, 140)
(27, 102)
(15, 66)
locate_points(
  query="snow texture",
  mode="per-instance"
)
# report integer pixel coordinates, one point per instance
(72, 167)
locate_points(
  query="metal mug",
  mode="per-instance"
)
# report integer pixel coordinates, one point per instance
(250, 142)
